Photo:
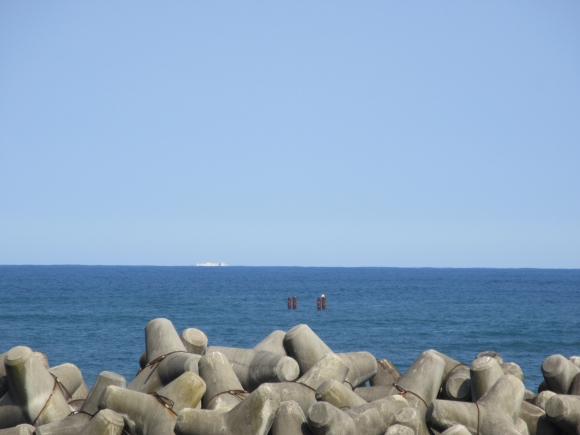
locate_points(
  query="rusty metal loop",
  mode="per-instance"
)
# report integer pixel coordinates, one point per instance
(240, 394)
(165, 401)
(158, 360)
(478, 414)
(447, 377)
(47, 400)
(404, 392)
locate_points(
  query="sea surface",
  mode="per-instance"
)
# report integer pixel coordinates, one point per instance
(94, 316)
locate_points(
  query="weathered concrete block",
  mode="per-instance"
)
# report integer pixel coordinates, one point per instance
(493, 354)
(273, 343)
(558, 373)
(513, 369)
(494, 413)
(302, 344)
(71, 380)
(339, 395)
(105, 422)
(536, 420)
(155, 414)
(484, 372)
(422, 381)
(223, 388)
(413, 419)
(253, 416)
(194, 341)
(21, 429)
(387, 374)
(457, 429)
(375, 393)
(542, 398)
(290, 420)
(362, 366)
(371, 419)
(564, 411)
(254, 368)
(34, 388)
(457, 385)
(399, 429)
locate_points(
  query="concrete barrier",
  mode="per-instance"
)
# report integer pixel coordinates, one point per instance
(155, 414)
(194, 341)
(564, 411)
(386, 375)
(559, 372)
(370, 419)
(34, 388)
(290, 420)
(223, 388)
(254, 368)
(338, 394)
(105, 422)
(253, 416)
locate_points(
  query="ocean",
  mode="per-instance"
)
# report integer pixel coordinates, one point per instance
(94, 316)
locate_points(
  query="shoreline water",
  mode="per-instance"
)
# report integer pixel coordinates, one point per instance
(93, 316)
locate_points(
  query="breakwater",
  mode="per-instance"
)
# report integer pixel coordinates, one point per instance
(290, 383)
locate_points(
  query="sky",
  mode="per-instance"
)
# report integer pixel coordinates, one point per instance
(378, 133)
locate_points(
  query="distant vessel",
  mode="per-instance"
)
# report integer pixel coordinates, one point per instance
(210, 264)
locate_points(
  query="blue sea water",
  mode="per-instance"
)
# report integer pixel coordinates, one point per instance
(94, 316)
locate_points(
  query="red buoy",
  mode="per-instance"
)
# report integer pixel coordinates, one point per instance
(289, 303)
(295, 302)
(318, 304)
(323, 302)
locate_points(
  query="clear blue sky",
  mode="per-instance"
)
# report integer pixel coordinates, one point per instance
(399, 133)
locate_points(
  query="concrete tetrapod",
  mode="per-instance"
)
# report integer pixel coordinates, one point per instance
(302, 344)
(536, 420)
(399, 429)
(559, 373)
(162, 345)
(484, 372)
(362, 366)
(491, 353)
(494, 413)
(153, 377)
(105, 422)
(290, 420)
(10, 412)
(253, 416)
(303, 391)
(155, 414)
(564, 411)
(223, 388)
(253, 368)
(194, 340)
(511, 368)
(71, 379)
(457, 385)
(274, 343)
(421, 382)
(375, 393)
(34, 388)
(457, 429)
(338, 394)
(387, 374)
(370, 419)
(411, 418)
(21, 429)
(74, 423)
(574, 389)
(542, 398)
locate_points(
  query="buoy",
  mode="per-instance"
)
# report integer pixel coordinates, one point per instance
(295, 302)
(323, 302)
(319, 304)
(289, 303)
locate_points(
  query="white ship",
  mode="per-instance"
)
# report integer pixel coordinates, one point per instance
(210, 264)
